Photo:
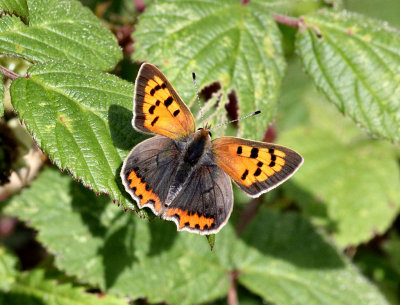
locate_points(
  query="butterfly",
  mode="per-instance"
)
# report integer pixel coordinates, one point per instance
(183, 175)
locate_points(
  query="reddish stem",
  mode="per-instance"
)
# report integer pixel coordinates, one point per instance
(140, 5)
(289, 21)
(232, 293)
(9, 74)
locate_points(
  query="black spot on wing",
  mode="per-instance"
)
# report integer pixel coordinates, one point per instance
(245, 173)
(154, 121)
(168, 101)
(239, 150)
(254, 153)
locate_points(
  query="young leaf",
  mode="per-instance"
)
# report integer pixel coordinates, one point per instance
(34, 288)
(237, 45)
(354, 60)
(278, 257)
(8, 270)
(82, 119)
(15, 7)
(60, 30)
(348, 180)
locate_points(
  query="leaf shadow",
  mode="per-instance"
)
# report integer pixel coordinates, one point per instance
(118, 250)
(123, 134)
(12, 297)
(89, 207)
(116, 254)
(162, 236)
(291, 237)
(310, 205)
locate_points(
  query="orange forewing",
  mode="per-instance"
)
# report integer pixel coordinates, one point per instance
(158, 108)
(255, 166)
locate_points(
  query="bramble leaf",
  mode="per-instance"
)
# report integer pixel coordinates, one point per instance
(16, 7)
(59, 30)
(348, 182)
(354, 60)
(278, 256)
(8, 271)
(82, 119)
(238, 46)
(33, 288)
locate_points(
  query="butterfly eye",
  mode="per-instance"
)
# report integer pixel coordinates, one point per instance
(210, 134)
(199, 128)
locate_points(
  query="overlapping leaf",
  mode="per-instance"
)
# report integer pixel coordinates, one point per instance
(33, 288)
(355, 62)
(59, 30)
(348, 181)
(16, 7)
(222, 41)
(280, 257)
(81, 118)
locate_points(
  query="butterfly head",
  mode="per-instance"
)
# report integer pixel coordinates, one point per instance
(205, 131)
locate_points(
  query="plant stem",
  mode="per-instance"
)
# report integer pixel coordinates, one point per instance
(9, 74)
(232, 293)
(289, 21)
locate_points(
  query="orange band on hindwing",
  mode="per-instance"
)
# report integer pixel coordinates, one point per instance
(143, 191)
(194, 221)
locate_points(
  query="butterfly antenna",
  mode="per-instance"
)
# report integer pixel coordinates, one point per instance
(198, 98)
(245, 117)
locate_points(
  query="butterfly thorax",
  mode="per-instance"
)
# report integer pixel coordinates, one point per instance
(196, 146)
(195, 153)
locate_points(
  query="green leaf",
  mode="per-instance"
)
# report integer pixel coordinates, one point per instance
(279, 255)
(34, 288)
(379, 268)
(287, 262)
(354, 61)
(384, 9)
(81, 118)
(17, 7)
(295, 7)
(237, 45)
(60, 30)
(1, 96)
(348, 182)
(97, 242)
(8, 270)
(392, 248)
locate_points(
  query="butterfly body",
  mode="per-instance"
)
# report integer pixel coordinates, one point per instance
(182, 174)
(194, 154)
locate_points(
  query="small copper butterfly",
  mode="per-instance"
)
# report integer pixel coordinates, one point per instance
(181, 174)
